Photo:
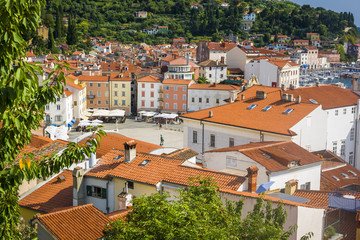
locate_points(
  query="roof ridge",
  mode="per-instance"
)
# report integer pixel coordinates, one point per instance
(275, 143)
(65, 210)
(210, 170)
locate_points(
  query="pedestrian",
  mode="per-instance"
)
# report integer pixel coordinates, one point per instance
(161, 140)
(160, 126)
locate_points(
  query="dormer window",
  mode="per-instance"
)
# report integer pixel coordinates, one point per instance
(118, 157)
(144, 163)
(292, 164)
(252, 106)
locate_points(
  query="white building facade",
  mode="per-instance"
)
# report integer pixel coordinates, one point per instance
(213, 71)
(149, 93)
(61, 112)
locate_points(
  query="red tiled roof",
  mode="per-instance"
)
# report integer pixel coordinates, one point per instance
(111, 141)
(84, 222)
(274, 156)
(328, 96)
(217, 87)
(282, 63)
(177, 81)
(77, 86)
(183, 154)
(30, 54)
(149, 78)
(316, 198)
(93, 78)
(221, 46)
(236, 114)
(67, 93)
(52, 195)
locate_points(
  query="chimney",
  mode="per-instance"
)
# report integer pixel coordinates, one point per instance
(260, 94)
(290, 97)
(130, 150)
(355, 83)
(222, 60)
(217, 62)
(211, 114)
(242, 97)
(291, 186)
(284, 97)
(252, 178)
(233, 96)
(283, 87)
(78, 186)
(292, 86)
(298, 99)
(124, 198)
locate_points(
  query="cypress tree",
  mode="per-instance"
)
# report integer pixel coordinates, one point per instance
(58, 23)
(71, 37)
(51, 43)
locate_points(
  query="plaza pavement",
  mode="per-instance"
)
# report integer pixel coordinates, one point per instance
(148, 132)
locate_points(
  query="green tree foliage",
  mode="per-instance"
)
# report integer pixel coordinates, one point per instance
(59, 22)
(51, 42)
(71, 37)
(198, 213)
(22, 109)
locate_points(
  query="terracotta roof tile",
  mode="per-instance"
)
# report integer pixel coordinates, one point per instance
(221, 46)
(316, 198)
(328, 96)
(274, 156)
(236, 114)
(149, 78)
(184, 154)
(84, 222)
(68, 93)
(52, 195)
(177, 81)
(218, 87)
(111, 141)
(93, 78)
(211, 63)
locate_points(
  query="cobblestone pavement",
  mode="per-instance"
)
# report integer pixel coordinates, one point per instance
(148, 132)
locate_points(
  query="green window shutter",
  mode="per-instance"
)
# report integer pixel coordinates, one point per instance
(103, 193)
(88, 190)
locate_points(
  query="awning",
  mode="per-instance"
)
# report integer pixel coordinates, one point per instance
(264, 187)
(71, 123)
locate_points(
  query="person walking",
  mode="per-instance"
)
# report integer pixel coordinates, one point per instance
(161, 140)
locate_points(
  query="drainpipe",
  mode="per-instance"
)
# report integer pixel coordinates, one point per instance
(202, 139)
(356, 135)
(107, 197)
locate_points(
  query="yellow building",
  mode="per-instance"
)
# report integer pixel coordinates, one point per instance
(313, 36)
(120, 92)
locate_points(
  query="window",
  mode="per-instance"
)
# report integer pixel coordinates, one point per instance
(344, 111)
(143, 103)
(143, 85)
(184, 89)
(212, 140)
(200, 99)
(152, 85)
(58, 107)
(184, 97)
(352, 134)
(342, 148)
(175, 105)
(152, 104)
(231, 162)
(123, 93)
(123, 102)
(194, 137)
(252, 106)
(231, 142)
(209, 75)
(175, 96)
(115, 85)
(221, 75)
(217, 100)
(123, 85)
(166, 96)
(267, 108)
(106, 102)
(167, 88)
(115, 102)
(143, 93)
(130, 184)
(94, 191)
(107, 94)
(106, 85)
(207, 100)
(99, 102)
(336, 112)
(166, 105)
(351, 158)
(98, 93)
(115, 93)
(305, 186)
(210, 68)
(288, 111)
(75, 103)
(58, 99)
(335, 147)
(308, 148)
(90, 84)
(184, 106)
(47, 107)
(58, 118)
(353, 110)
(91, 102)
(175, 88)
(91, 93)
(151, 94)
(99, 84)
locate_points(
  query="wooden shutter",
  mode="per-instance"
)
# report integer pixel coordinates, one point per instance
(88, 190)
(103, 193)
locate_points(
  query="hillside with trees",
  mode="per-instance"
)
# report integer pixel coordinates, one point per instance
(116, 20)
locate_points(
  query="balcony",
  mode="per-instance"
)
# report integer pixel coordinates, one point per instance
(90, 96)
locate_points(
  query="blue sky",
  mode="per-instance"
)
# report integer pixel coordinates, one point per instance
(352, 6)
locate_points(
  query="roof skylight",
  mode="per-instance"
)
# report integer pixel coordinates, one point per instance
(118, 157)
(313, 101)
(336, 178)
(352, 172)
(252, 106)
(267, 108)
(288, 111)
(144, 163)
(344, 175)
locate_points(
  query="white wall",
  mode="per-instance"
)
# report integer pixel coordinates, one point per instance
(311, 130)
(236, 58)
(215, 75)
(222, 135)
(148, 99)
(217, 55)
(98, 202)
(66, 110)
(310, 220)
(212, 95)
